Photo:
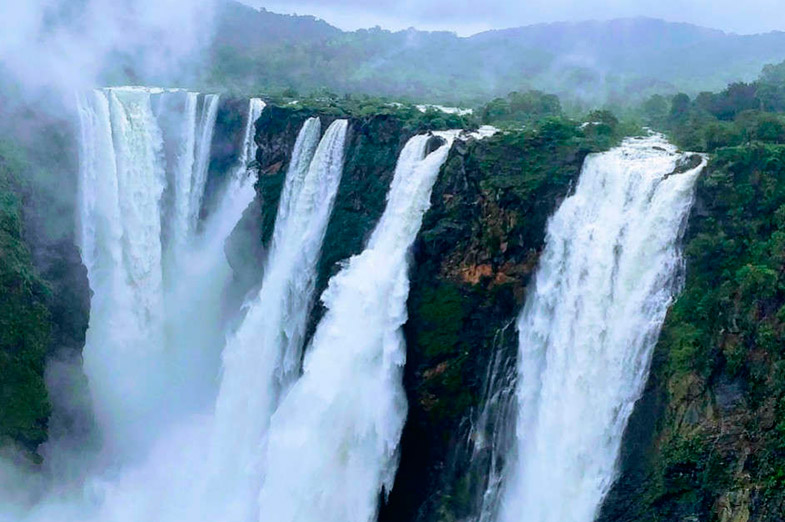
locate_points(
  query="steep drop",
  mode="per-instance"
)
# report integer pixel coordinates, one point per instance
(333, 441)
(609, 272)
(153, 150)
(263, 356)
(140, 166)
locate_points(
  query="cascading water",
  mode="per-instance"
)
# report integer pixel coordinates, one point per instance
(238, 192)
(144, 156)
(206, 128)
(608, 274)
(334, 439)
(493, 429)
(263, 356)
(198, 290)
(144, 153)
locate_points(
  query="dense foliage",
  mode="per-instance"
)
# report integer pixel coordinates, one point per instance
(740, 114)
(24, 319)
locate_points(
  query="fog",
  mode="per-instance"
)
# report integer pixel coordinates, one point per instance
(52, 52)
(466, 17)
(100, 95)
(73, 44)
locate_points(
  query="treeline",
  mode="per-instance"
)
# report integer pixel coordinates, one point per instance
(741, 113)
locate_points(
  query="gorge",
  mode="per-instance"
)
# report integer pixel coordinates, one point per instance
(305, 312)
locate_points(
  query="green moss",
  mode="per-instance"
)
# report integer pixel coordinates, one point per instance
(439, 320)
(473, 259)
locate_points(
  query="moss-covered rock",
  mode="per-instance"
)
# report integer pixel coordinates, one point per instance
(373, 144)
(474, 257)
(44, 307)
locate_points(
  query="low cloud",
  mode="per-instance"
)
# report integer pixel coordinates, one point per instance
(72, 44)
(467, 17)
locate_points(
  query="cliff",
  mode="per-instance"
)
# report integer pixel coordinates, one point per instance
(707, 439)
(45, 306)
(473, 258)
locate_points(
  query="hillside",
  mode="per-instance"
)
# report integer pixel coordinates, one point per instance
(590, 62)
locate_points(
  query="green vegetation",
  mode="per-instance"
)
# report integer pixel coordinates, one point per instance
(359, 106)
(519, 108)
(24, 319)
(723, 344)
(476, 252)
(259, 51)
(741, 114)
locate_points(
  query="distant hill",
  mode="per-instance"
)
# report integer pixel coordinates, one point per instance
(245, 27)
(592, 62)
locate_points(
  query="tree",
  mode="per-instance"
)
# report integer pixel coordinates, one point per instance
(680, 107)
(655, 110)
(771, 90)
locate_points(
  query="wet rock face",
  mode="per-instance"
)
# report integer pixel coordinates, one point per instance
(434, 143)
(373, 146)
(276, 132)
(227, 140)
(474, 257)
(372, 149)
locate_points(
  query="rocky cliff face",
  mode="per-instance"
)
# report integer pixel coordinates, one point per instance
(707, 439)
(477, 249)
(45, 306)
(373, 145)
(476, 252)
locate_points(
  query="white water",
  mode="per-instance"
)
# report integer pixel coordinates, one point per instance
(607, 276)
(206, 127)
(493, 431)
(138, 146)
(238, 192)
(197, 291)
(155, 335)
(333, 441)
(263, 356)
(122, 183)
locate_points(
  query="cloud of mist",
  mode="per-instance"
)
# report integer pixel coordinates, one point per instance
(75, 44)
(49, 51)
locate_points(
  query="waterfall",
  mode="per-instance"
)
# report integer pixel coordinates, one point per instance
(493, 429)
(609, 272)
(263, 355)
(144, 160)
(238, 192)
(333, 441)
(181, 172)
(143, 156)
(206, 127)
(198, 290)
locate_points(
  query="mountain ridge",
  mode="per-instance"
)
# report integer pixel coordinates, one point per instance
(590, 62)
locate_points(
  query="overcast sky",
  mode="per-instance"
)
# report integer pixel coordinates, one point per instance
(468, 17)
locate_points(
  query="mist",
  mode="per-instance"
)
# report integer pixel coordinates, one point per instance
(263, 255)
(75, 45)
(52, 53)
(464, 18)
